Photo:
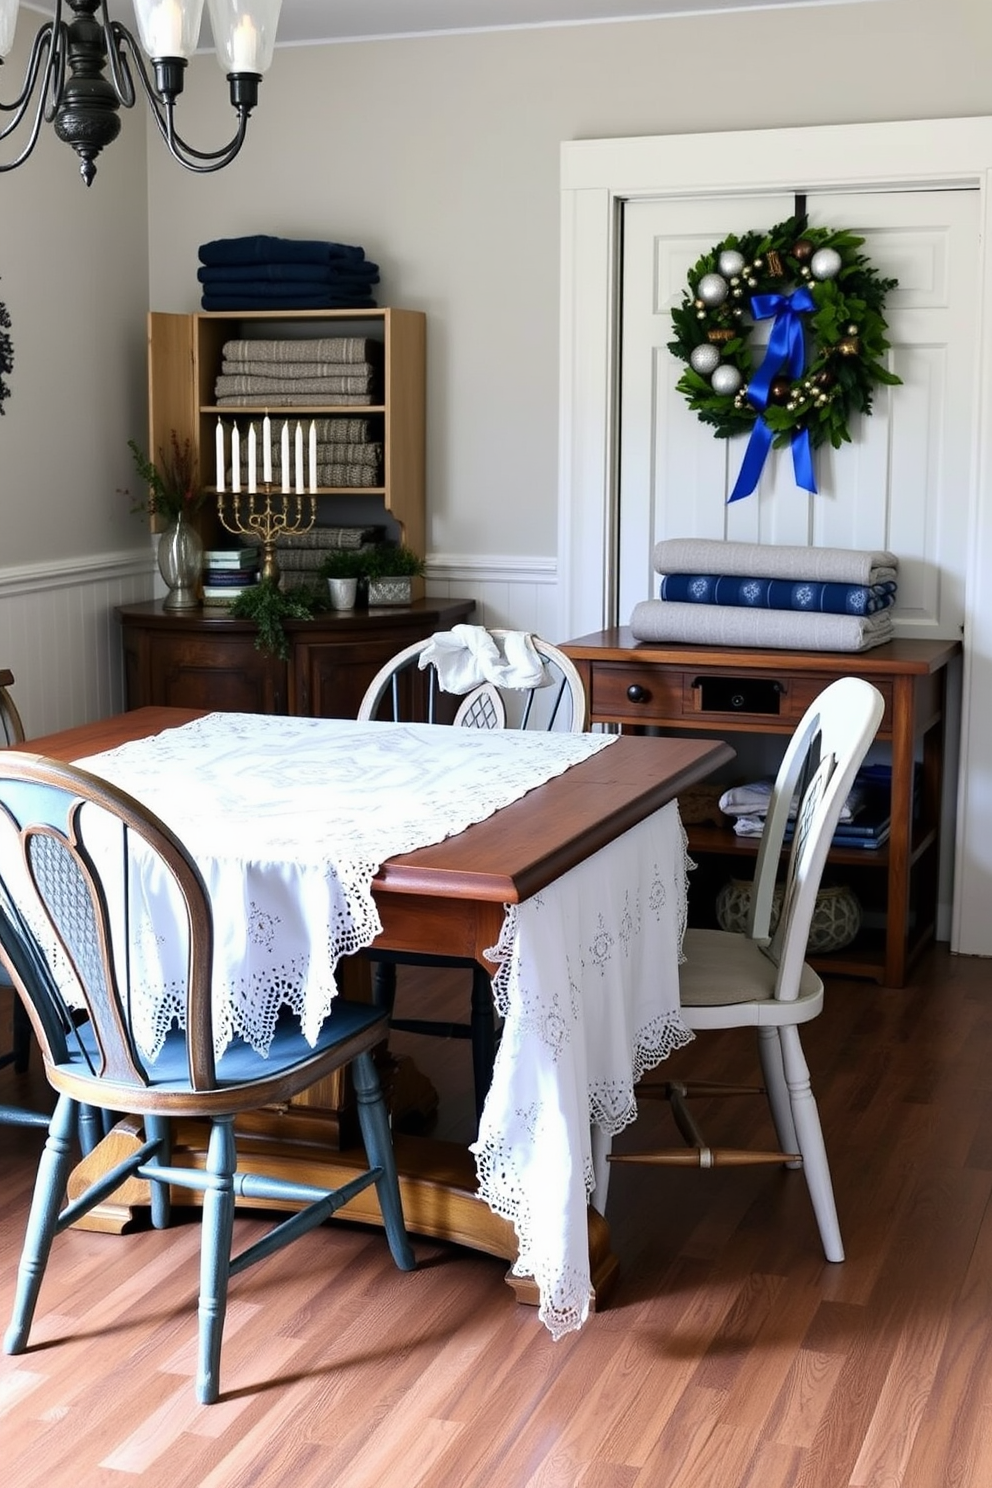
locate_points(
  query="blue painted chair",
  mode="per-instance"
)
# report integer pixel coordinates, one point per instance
(19, 1053)
(49, 816)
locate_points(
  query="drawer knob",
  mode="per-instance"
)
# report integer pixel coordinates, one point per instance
(637, 694)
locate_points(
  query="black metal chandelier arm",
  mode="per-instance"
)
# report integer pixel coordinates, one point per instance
(200, 161)
(54, 70)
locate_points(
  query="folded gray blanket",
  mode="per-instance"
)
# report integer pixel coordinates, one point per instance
(316, 349)
(779, 630)
(287, 370)
(327, 454)
(361, 382)
(774, 561)
(293, 400)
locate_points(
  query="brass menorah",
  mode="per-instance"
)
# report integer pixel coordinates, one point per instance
(249, 518)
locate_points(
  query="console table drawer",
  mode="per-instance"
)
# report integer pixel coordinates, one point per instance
(655, 694)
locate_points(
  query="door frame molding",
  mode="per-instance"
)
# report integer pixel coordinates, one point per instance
(597, 178)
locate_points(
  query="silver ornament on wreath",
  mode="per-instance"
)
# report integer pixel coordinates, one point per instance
(730, 263)
(713, 289)
(726, 380)
(704, 359)
(825, 264)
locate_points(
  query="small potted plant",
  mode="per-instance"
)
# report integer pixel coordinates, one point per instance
(342, 568)
(390, 571)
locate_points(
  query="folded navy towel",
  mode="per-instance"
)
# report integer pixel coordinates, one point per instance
(259, 248)
(288, 289)
(828, 598)
(365, 272)
(327, 300)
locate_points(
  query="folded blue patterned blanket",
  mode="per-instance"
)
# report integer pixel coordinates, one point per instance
(778, 594)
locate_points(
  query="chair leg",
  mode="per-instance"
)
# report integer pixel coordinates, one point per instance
(777, 1091)
(811, 1145)
(159, 1129)
(49, 1190)
(21, 1036)
(374, 1122)
(215, 1255)
(483, 1036)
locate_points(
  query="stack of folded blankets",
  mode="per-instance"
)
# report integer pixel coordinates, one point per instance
(758, 595)
(865, 820)
(266, 273)
(300, 555)
(290, 373)
(347, 453)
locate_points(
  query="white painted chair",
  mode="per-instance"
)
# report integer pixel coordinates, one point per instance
(750, 980)
(402, 692)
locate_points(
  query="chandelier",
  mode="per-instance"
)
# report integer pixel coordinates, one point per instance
(79, 74)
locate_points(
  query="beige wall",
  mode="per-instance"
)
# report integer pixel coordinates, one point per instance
(74, 277)
(441, 156)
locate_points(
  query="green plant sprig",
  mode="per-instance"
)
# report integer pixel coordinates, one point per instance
(269, 607)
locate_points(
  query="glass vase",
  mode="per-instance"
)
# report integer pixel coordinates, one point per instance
(180, 556)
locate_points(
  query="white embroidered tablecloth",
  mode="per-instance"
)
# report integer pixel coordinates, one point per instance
(289, 820)
(588, 988)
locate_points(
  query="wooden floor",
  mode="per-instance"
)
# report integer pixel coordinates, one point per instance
(733, 1355)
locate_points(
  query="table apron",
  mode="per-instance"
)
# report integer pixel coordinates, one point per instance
(433, 925)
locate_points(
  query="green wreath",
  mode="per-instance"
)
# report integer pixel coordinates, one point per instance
(827, 301)
(6, 353)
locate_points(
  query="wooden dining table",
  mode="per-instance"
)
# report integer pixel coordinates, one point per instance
(453, 893)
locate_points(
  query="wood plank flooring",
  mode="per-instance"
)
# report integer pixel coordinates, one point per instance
(732, 1356)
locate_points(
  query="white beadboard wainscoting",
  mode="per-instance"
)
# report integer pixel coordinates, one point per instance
(60, 637)
(514, 593)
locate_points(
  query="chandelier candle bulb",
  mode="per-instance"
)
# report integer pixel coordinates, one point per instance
(299, 458)
(219, 443)
(284, 452)
(312, 450)
(244, 47)
(267, 450)
(165, 31)
(252, 461)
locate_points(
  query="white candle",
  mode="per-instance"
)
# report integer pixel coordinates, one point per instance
(235, 460)
(299, 458)
(284, 454)
(313, 455)
(220, 455)
(165, 30)
(244, 47)
(252, 460)
(267, 450)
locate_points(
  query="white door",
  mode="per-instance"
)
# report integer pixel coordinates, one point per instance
(900, 484)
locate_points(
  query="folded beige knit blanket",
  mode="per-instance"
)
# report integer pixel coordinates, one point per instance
(705, 555)
(780, 630)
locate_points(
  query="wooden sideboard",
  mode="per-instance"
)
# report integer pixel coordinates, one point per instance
(707, 689)
(197, 660)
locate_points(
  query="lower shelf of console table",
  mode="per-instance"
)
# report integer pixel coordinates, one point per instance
(733, 690)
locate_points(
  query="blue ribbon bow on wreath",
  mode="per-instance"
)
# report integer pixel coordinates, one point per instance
(786, 352)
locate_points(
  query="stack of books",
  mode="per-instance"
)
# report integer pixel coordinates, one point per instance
(228, 572)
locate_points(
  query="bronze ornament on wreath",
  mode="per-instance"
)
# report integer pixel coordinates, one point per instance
(6, 353)
(824, 355)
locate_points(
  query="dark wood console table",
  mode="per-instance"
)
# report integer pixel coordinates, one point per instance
(195, 659)
(702, 689)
